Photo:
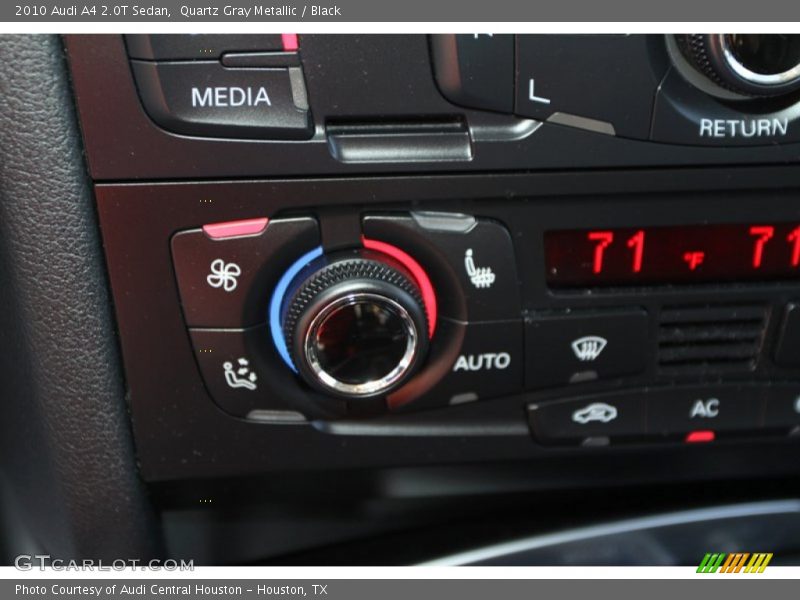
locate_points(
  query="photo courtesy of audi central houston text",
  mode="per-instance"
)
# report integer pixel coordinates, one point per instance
(387, 298)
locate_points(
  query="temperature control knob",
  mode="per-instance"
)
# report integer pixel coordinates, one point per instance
(749, 65)
(355, 325)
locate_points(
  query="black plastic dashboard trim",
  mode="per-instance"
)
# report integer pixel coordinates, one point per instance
(66, 447)
(180, 432)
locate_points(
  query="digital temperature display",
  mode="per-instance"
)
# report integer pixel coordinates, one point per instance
(665, 255)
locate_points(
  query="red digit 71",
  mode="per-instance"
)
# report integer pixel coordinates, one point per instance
(764, 234)
(603, 239)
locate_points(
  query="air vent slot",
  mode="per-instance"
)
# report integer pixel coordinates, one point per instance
(710, 339)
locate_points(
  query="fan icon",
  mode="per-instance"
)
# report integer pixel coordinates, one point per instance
(224, 275)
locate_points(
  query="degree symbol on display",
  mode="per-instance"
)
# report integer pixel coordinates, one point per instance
(694, 259)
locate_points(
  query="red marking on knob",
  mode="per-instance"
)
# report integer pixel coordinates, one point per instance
(417, 272)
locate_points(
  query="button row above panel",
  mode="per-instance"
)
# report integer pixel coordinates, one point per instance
(207, 98)
(631, 86)
(693, 413)
(248, 86)
(608, 79)
(605, 83)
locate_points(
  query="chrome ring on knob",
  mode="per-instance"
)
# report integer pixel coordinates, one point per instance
(765, 79)
(738, 67)
(369, 388)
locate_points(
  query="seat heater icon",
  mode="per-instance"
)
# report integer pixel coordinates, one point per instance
(480, 277)
(589, 347)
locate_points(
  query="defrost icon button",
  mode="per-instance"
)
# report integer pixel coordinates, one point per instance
(575, 347)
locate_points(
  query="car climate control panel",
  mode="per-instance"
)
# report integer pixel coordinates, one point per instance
(404, 311)
(422, 310)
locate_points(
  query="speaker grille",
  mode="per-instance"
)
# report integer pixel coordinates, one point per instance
(710, 339)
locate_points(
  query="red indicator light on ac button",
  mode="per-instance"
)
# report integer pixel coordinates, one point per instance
(695, 437)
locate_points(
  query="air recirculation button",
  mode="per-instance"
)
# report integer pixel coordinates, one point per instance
(355, 325)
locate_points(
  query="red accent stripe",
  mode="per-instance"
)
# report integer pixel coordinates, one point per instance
(229, 229)
(289, 42)
(700, 436)
(416, 270)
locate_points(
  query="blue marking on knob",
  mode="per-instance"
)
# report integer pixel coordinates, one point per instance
(275, 304)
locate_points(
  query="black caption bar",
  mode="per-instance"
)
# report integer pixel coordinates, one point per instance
(463, 11)
(731, 587)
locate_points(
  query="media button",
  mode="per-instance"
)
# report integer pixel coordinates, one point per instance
(206, 98)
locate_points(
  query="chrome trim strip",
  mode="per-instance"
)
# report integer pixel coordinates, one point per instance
(733, 511)
(368, 388)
